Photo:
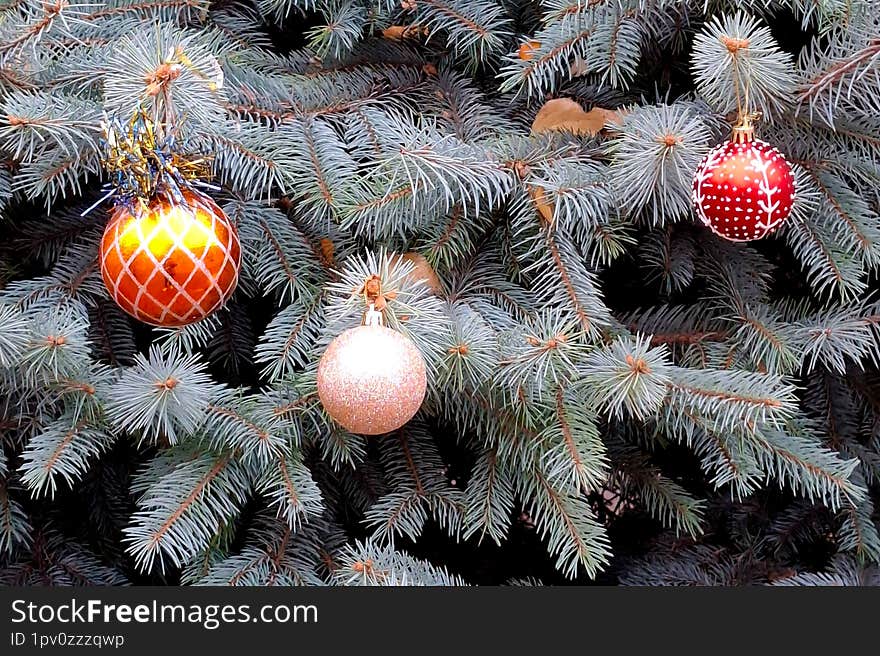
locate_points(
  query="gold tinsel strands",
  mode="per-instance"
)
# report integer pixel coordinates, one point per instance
(140, 161)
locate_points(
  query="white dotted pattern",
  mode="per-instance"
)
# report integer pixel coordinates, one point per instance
(743, 191)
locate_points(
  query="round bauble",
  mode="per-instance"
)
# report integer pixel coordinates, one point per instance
(171, 262)
(743, 189)
(371, 379)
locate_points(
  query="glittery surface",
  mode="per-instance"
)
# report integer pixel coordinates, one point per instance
(371, 379)
(742, 191)
(170, 264)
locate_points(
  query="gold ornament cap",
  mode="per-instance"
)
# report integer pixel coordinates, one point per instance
(744, 130)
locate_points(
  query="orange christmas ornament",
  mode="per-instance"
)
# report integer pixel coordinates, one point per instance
(170, 262)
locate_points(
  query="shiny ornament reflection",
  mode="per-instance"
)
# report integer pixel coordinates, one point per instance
(371, 379)
(170, 263)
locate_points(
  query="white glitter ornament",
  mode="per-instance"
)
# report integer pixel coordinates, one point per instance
(371, 379)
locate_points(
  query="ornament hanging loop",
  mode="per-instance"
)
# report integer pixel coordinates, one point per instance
(372, 291)
(743, 129)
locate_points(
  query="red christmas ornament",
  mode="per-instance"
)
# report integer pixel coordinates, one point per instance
(170, 263)
(743, 189)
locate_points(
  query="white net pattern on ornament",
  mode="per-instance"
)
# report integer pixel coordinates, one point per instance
(196, 308)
